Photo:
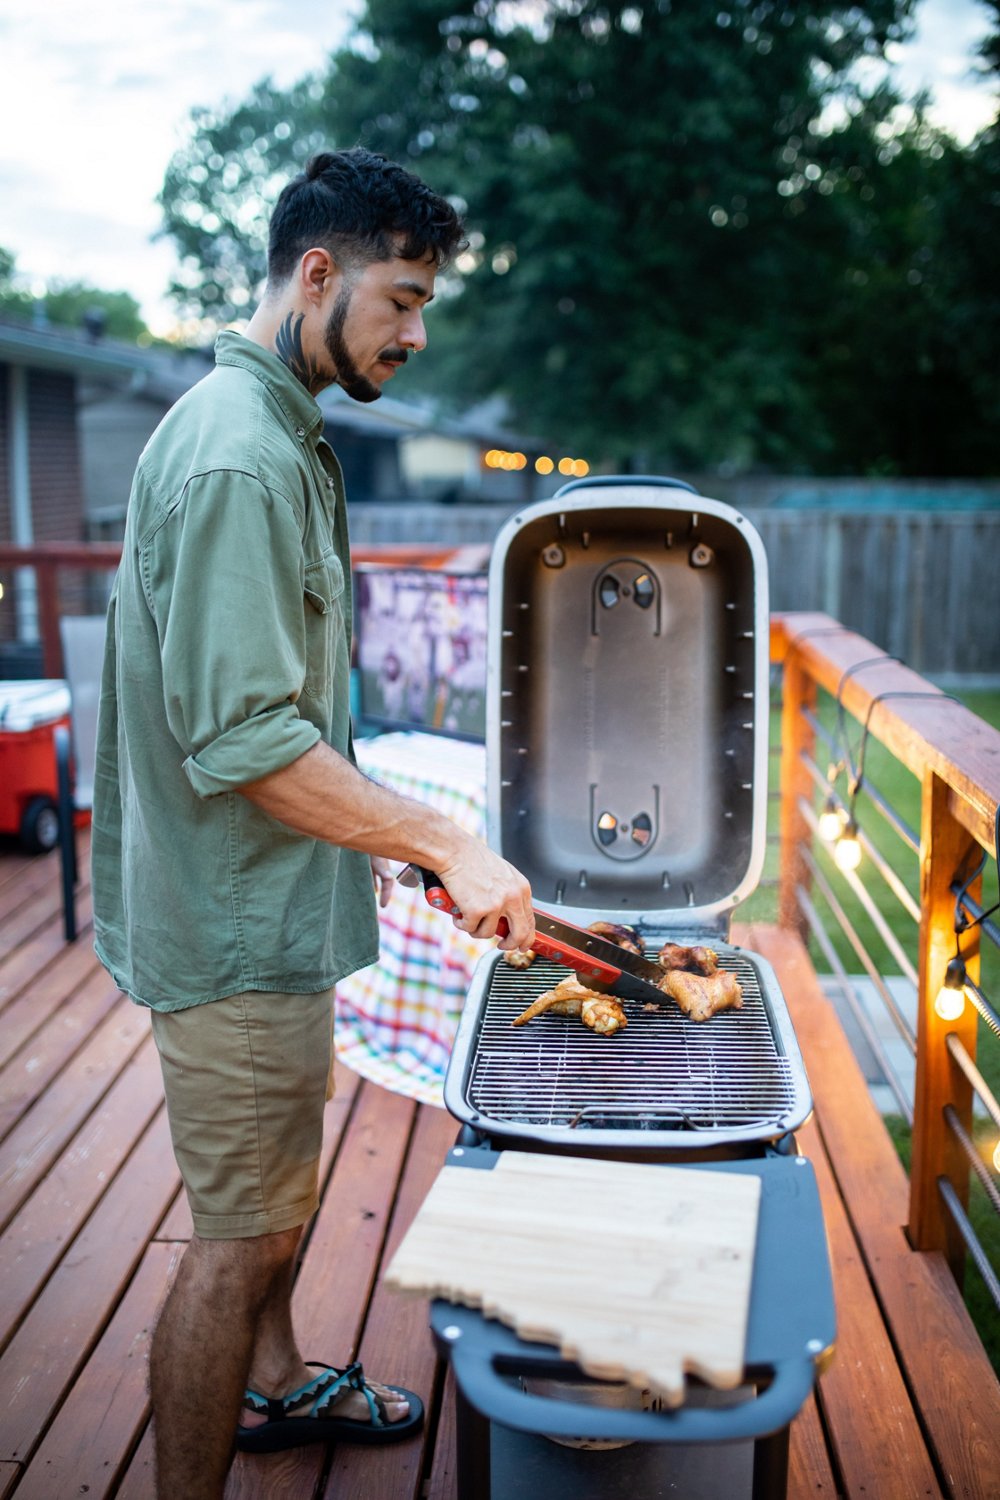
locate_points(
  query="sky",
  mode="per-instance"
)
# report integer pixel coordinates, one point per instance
(95, 98)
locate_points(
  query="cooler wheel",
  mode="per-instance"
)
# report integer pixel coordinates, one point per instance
(39, 826)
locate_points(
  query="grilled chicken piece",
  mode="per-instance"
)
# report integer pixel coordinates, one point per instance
(519, 958)
(619, 934)
(571, 998)
(702, 996)
(694, 960)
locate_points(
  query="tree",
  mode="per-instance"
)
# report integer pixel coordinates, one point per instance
(676, 255)
(71, 304)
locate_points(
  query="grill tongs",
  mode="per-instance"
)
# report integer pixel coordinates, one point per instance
(603, 965)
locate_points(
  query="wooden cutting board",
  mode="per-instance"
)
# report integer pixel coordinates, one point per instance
(639, 1273)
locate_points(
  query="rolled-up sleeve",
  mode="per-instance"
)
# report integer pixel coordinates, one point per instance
(224, 580)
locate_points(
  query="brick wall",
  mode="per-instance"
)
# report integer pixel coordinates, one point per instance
(56, 485)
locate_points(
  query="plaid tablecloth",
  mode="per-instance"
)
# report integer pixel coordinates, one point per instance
(396, 1021)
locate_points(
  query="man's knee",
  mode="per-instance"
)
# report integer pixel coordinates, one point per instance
(255, 1261)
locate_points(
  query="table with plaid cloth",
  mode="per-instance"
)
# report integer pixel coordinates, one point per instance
(396, 1021)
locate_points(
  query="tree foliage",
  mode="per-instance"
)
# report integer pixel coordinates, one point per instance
(695, 239)
(70, 304)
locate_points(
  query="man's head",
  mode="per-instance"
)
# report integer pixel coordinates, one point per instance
(361, 208)
(355, 243)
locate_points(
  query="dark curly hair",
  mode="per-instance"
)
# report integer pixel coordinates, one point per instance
(361, 207)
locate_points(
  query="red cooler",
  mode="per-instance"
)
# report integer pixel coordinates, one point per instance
(30, 712)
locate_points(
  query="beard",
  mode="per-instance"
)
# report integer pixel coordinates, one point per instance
(347, 375)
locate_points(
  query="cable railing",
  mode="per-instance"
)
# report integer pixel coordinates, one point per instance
(880, 898)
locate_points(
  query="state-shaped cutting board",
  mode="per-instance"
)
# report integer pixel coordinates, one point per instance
(637, 1272)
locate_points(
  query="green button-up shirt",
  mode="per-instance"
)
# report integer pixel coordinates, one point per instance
(228, 657)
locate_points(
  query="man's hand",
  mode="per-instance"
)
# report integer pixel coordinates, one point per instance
(383, 879)
(485, 888)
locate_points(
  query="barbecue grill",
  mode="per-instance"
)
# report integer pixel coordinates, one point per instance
(627, 723)
(627, 716)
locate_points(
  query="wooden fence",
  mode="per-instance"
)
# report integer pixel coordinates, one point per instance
(921, 583)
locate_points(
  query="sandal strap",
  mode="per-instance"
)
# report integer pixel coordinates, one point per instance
(326, 1387)
(354, 1377)
(276, 1407)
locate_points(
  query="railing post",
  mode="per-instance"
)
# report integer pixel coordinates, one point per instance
(798, 691)
(945, 847)
(48, 617)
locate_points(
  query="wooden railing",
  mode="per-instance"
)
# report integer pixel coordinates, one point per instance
(832, 678)
(50, 559)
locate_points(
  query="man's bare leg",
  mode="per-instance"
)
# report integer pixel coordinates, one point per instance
(201, 1353)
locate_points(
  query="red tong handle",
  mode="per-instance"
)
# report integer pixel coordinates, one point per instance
(584, 964)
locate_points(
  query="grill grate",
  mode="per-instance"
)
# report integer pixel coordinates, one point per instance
(663, 1072)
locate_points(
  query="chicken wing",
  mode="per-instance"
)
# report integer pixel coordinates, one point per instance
(571, 998)
(694, 960)
(702, 996)
(519, 958)
(619, 934)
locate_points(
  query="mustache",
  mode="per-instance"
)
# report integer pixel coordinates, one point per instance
(394, 356)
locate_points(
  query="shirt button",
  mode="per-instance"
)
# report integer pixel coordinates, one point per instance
(330, 484)
(300, 432)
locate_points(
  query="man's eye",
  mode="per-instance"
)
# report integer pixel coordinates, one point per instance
(400, 306)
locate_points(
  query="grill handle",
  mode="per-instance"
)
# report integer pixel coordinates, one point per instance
(492, 1395)
(585, 964)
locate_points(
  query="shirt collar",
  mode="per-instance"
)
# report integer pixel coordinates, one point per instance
(301, 409)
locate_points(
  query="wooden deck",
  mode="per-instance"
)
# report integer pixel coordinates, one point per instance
(92, 1227)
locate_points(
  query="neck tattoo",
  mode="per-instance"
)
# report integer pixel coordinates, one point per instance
(288, 346)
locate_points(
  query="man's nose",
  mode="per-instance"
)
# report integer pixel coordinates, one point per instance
(414, 334)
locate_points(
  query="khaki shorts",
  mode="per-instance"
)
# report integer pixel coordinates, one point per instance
(246, 1080)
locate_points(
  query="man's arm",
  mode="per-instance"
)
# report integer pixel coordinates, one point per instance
(321, 794)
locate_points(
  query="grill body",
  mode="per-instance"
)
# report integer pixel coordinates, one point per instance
(627, 718)
(665, 1086)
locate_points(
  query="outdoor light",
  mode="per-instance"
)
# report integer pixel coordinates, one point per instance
(831, 824)
(950, 1001)
(544, 465)
(847, 849)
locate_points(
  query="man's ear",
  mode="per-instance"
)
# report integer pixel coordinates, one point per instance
(317, 272)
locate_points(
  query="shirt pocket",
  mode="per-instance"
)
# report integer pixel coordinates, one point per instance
(325, 626)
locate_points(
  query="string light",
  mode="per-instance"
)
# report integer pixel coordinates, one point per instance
(950, 1001)
(544, 465)
(831, 819)
(847, 849)
(831, 823)
(499, 458)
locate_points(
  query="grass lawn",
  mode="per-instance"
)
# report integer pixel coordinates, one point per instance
(902, 791)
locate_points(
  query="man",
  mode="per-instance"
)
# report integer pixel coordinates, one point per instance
(235, 843)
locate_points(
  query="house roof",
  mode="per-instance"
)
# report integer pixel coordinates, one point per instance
(67, 350)
(163, 375)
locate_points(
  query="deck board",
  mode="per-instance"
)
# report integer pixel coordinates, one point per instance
(92, 1226)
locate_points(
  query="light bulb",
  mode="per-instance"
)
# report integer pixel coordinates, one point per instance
(950, 1001)
(830, 821)
(847, 849)
(949, 1004)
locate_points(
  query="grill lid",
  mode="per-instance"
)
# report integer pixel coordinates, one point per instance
(627, 702)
